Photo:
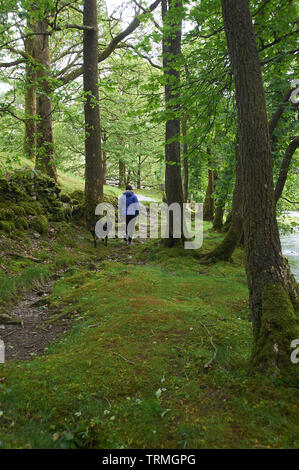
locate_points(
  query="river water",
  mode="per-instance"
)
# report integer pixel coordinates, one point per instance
(290, 246)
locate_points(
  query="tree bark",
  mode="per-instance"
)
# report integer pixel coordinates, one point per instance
(209, 202)
(171, 47)
(185, 158)
(139, 173)
(44, 127)
(219, 207)
(104, 156)
(218, 218)
(30, 98)
(122, 174)
(273, 292)
(234, 223)
(283, 173)
(93, 154)
(226, 248)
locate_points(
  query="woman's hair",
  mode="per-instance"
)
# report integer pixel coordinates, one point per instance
(129, 187)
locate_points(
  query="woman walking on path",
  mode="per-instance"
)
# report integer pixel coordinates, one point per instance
(128, 211)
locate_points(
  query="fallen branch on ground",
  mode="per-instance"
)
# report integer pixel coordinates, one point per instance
(122, 357)
(19, 255)
(208, 364)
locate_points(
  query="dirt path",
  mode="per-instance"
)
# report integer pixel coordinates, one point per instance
(30, 338)
(33, 333)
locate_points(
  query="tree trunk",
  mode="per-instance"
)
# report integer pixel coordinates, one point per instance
(128, 179)
(227, 222)
(185, 158)
(226, 248)
(234, 220)
(93, 154)
(283, 173)
(273, 292)
(30, 98)
(139, 173)
(104, 159)
(172, 34)
(121, 174)
(104, 156)
(208, 206)
(44, 127)
(218, 218)
(219, 208)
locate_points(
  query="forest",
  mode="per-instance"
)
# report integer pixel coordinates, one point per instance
(187, 110)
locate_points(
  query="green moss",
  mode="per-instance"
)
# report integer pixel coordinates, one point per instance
(77, 194)
(279, 326)
(6, 213)
(7, 226)
(65, 198)
(74, 202)
(31, 208)
(22, 223)
(4, 187)
(18, 210)
(58, 215)
(226, 247)
(40, 224)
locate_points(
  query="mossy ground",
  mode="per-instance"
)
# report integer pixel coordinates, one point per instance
(130, 373)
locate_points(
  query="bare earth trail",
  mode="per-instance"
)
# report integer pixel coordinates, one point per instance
(33, 330)
(32, 334)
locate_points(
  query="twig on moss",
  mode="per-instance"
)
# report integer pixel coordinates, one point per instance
(19, 255)
(122, 357)
(208, 364)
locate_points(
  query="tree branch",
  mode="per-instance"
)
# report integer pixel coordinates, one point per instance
(112, 45)
(284, 168)
(278, 113)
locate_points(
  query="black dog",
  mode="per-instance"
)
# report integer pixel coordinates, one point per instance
(106, 227)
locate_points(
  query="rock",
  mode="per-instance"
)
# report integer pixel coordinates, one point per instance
(40, 224)
(22, 223)
(7, 226)
(65, 198)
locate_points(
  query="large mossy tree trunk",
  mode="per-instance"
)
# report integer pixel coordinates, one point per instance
(234, 223)
(93, 154)
(44, 126)
(171, 47)
(273, 291)
(30, 96)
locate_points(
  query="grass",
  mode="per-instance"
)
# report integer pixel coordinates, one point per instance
(69, 182)
(130, 373)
